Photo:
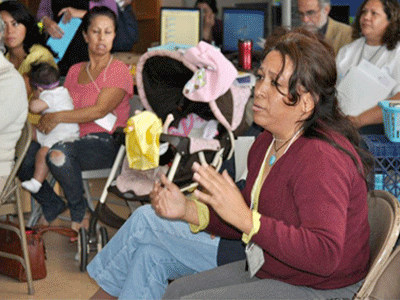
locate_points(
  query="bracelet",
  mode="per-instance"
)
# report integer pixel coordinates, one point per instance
(40, 24)
(42, 19)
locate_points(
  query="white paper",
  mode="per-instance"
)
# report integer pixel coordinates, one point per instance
(242, 147)
(363, 87)
(261, 42)
(107, 122)
(255, 258)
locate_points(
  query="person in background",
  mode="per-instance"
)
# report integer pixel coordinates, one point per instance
(128, 27)
(49, 97)
(13, 107)
(314, 15)
(100, 89)
(50, 12)
(377, 33)
(24, 43)
(212, 27)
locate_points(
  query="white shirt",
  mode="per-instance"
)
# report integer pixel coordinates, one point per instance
(14, 110)
(388, 61)
(57, 99)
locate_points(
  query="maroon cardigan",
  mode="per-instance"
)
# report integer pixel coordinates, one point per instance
(314, 225)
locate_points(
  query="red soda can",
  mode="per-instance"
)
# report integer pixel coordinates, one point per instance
(245, 48)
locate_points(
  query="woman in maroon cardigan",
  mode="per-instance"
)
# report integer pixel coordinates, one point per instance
(303, 213)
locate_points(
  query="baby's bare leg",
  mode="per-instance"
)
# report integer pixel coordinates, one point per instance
(40, 174)
(41, 168)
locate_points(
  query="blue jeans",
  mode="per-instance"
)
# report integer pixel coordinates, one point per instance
(91, 152)
(146, 252)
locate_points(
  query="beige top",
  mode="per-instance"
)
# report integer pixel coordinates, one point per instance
(339, 34)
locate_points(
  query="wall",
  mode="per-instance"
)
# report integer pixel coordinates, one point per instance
(173, 3)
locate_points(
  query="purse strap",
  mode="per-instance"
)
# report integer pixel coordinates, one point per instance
(58, 229)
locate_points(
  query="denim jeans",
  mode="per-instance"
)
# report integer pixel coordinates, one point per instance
(146, 252)
(91, 152)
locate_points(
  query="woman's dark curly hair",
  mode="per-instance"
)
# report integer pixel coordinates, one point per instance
(21, 14)
(392, 34)
(314, 71)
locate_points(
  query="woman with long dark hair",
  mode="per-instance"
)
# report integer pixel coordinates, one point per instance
(24, 43)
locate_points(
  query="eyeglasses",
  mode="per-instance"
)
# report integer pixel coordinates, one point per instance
(309, 13)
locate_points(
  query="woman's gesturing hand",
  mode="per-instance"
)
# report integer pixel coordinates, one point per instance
(223, 196)
(168, 201)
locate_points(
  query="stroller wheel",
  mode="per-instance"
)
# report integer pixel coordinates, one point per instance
(83, 249)
(102, 239)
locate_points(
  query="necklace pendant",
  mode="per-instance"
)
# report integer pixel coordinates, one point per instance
(272, 160)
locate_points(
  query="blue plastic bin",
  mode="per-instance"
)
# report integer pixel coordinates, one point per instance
(391, 119)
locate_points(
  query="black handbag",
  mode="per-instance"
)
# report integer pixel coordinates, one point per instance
(127, 32)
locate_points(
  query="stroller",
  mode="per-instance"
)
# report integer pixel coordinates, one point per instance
(182, 89)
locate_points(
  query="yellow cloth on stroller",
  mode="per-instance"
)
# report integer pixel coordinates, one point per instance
(142, 140)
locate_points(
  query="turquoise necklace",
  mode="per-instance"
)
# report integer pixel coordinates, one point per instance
(272, 159)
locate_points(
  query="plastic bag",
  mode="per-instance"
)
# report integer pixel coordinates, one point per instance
(143, 141)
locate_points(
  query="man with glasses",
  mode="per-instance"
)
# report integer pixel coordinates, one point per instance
(314, 16)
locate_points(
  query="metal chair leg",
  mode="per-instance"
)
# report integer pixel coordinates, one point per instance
(24, 243)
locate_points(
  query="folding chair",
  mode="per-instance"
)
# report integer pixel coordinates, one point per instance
(387, 285)
(11, 203)
(384, 222)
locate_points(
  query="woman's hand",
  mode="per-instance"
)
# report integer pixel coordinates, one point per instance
(47, 122)
(168, 201)
(52, 28)
(70, 12)
(223, 196)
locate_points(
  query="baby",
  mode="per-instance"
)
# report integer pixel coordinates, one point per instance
(50, 97)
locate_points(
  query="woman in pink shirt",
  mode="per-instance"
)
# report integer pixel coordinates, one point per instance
(100, 89)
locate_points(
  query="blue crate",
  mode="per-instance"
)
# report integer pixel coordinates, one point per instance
(391, 119)
(384, 182)
(387, 163)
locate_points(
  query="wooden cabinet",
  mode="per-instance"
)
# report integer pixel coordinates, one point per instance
(148, 15)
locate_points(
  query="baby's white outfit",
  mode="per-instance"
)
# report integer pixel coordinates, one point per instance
(57, 99)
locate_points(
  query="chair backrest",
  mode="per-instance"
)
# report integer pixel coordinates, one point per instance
(20, 151)
(384, 221)
(387, 285)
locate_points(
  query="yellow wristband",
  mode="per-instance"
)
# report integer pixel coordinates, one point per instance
(246, 238)
(203, 214)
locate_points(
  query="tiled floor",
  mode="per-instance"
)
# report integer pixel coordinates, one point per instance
(64, 279)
